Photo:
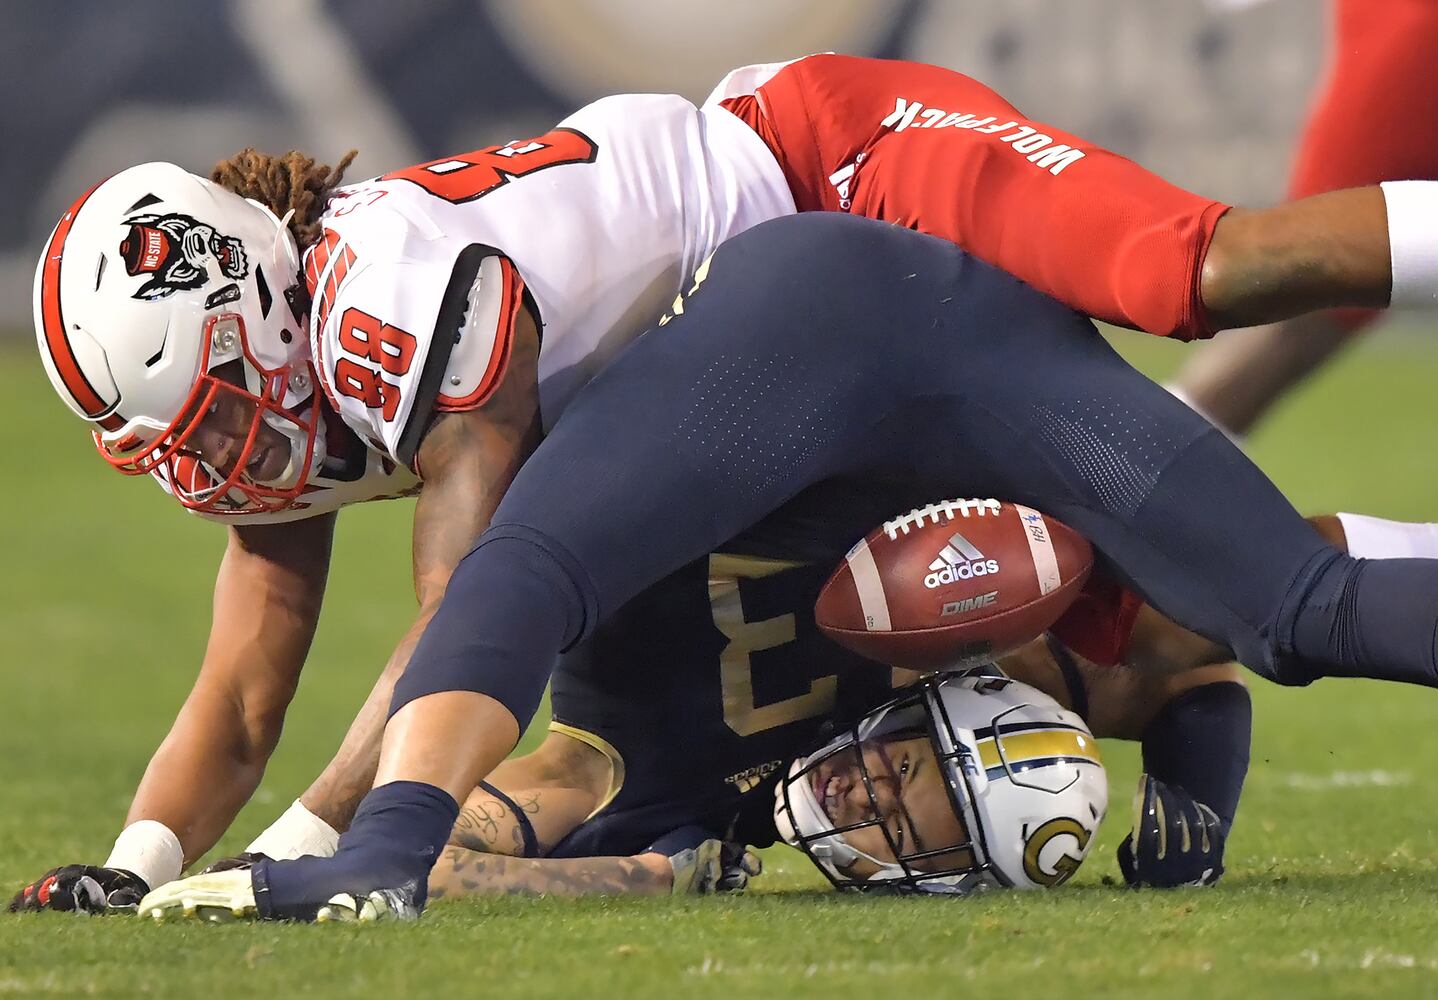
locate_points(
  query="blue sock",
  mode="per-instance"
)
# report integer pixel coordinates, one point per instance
(394, 841)
(1199, 742)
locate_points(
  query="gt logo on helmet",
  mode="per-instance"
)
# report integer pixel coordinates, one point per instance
(173, 250)
(1065, 864)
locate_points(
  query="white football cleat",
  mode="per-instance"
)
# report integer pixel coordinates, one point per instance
(220, 898)
(225, 897)
(381, 904)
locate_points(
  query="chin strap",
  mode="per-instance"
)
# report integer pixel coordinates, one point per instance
(295, 435)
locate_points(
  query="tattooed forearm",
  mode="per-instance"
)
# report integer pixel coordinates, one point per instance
(462, 872)
(488, 825)
(477, 827)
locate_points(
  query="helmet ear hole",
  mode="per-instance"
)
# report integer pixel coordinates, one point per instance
(266, 299)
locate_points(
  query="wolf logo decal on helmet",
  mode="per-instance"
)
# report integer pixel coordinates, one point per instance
(173, 250)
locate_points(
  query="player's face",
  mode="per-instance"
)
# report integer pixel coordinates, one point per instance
(222, 435)
(910, 795)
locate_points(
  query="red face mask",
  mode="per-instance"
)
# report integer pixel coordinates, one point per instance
(176, 455)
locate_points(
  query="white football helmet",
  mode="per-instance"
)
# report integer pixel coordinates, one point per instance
(1023, 776)
(152, 281)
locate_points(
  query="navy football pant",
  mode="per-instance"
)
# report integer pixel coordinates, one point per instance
(825, 345)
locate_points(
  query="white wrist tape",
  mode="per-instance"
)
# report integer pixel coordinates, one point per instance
(1375, 538)
(295, 834)
(151, 850)
(1413, 241)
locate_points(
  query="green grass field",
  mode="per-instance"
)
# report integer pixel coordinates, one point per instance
(1332, 884)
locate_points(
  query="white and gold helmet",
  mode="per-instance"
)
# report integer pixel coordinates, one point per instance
(1013, 793)
(150, 283)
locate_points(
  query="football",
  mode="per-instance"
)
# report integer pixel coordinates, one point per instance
(953, 581)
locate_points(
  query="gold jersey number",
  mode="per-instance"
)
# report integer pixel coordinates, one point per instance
(736, 664)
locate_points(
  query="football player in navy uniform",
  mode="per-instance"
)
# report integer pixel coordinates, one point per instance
(676, 721)
(823, 347)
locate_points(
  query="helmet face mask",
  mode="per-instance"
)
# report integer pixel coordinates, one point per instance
(161, 297)
(957, 865)
(1021, 777)
(172, 453)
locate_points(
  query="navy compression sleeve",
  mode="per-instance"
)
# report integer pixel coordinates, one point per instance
(512, 605)
(1199, 742)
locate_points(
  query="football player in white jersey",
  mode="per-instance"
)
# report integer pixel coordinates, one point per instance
(272, 356)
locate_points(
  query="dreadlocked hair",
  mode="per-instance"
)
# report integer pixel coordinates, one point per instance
(293, 181)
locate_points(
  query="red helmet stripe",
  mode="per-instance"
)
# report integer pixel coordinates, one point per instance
(54, 327)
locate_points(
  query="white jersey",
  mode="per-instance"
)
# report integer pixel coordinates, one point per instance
(421, 272)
